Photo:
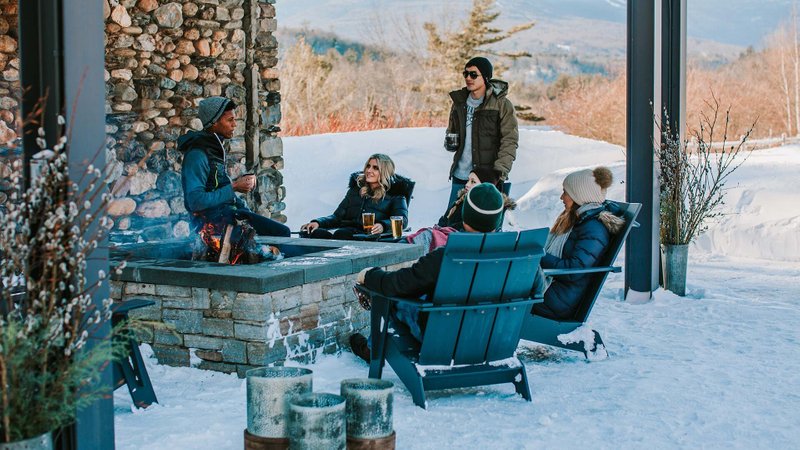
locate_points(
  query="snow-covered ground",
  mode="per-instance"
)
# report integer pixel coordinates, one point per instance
(717, 369)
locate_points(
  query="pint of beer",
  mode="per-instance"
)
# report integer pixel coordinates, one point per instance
(368, 220)
(397, 226)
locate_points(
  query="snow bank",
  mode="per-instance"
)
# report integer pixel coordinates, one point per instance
(717, 369)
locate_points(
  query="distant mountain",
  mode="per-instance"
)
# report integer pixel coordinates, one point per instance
(570, 36)
(739, 23)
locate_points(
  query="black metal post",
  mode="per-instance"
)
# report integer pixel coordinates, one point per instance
(673, 70)
(40, 72)
(642, 250)
(62, 59)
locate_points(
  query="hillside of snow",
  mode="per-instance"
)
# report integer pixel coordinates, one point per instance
(762, 214)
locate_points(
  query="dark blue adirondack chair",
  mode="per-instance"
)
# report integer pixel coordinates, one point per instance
(546, 330)
(131, 371)
(474, 317)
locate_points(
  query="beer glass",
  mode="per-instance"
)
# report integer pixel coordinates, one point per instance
(397, 226)
(368, 220)
(451, 141)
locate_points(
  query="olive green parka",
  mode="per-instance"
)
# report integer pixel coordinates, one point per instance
(495, 134)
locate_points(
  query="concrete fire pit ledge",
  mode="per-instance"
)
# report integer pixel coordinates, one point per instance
(235, 318)
(307, 261)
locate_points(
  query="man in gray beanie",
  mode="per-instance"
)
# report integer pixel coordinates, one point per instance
(482, 212)
(209, 193)
(483, 118)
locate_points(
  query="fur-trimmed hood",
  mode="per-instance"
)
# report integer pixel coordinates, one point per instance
(496, 88)
(613, 223)
(609, 214)
(400, 185)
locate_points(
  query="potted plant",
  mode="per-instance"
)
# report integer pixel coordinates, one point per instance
(693, 174)
(47, 316)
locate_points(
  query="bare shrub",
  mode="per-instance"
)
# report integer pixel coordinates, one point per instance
(337, 93)
(693, 173)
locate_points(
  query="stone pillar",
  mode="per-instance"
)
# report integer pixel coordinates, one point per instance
(267, 146)
(9, 74)
(162, 57)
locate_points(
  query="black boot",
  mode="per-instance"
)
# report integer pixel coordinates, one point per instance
(360, 346)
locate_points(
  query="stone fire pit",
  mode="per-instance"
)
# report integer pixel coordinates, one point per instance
(233, 318)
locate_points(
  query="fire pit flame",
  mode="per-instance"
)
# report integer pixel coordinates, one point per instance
(227, 244)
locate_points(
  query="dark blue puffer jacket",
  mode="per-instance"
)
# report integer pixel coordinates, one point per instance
(585, 246)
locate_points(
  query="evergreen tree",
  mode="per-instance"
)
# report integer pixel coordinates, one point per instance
(449, 50)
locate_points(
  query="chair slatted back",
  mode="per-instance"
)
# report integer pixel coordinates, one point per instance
(484, 273)
(630, 211)
(518, 285)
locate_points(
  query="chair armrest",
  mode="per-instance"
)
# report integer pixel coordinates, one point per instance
(495, 257)
(431, 308)
(555, 272)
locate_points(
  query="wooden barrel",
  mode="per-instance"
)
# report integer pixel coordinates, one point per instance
(253, 442)
(384, 443)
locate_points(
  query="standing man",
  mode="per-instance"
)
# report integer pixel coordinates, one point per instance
(208, 190)
(484, 120)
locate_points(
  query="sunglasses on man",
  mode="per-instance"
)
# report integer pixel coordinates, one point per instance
(470, 73)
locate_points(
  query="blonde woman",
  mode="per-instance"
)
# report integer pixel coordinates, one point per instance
(377, 189)
(578, 238)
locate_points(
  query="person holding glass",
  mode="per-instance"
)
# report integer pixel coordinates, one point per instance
(374, 196)
(482, 130)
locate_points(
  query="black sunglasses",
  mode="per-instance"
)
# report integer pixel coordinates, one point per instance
(471, 73)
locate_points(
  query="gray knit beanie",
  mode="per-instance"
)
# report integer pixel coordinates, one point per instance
(588, 185)
(211, 110)
(483, 208)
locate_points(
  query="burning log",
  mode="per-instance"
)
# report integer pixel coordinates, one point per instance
(225, 251)
(231, 244)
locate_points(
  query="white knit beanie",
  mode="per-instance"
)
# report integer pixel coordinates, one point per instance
(588, 186)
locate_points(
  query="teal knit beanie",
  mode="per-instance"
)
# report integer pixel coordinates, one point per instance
(483, 208)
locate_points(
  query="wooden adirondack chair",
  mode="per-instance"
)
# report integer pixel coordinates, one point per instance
(546, 330)
(474, 318)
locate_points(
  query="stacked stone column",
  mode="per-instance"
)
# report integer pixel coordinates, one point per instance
(9, 75)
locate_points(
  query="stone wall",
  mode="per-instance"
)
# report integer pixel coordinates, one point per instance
(233, 332)
(162, 58)
(9, 71)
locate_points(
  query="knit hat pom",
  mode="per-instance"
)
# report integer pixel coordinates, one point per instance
(588, 185)
(603, 177)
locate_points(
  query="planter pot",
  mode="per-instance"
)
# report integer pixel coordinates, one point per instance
(368, 408)
(41, 442)
(268, 389)
(674, 260)
(317, 421)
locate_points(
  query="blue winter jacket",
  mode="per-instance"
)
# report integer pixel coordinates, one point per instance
(585, 246)
(207, 189)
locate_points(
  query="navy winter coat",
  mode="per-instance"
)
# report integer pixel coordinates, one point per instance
(585, 245)
(348, 213)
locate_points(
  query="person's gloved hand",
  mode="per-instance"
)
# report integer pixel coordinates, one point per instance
(361, 278)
